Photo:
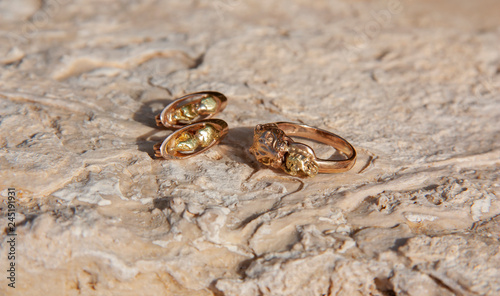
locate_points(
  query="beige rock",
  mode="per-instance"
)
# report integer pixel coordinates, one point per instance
(414, 86)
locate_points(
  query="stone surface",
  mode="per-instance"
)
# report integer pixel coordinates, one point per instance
(413, 85)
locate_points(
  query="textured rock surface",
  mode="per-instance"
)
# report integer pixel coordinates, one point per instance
(412, 84)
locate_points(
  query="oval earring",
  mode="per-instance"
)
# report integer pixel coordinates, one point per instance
(192, 140)
(191, 108)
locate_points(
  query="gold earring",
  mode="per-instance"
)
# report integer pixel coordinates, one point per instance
(191, 108)
(192, 140)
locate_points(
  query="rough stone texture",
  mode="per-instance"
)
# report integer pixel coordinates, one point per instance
(413, 85)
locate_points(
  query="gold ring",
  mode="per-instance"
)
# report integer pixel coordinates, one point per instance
(192, 140)
(191, 108)
(272, 146)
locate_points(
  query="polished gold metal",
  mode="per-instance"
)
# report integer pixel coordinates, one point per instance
(191, 108)
(192, 140)
(272, 146)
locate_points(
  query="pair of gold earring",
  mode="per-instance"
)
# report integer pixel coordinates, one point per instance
(272, 145)
(197, 132)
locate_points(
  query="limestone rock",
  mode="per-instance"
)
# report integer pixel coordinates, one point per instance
(414, 86)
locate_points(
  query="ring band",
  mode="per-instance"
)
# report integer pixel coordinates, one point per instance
(272, 146)
(191, 108)
(192, 139)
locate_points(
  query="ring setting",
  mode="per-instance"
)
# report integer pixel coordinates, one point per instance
(274, 147)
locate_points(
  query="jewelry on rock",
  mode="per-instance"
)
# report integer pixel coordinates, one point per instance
(192, 140)
(272, 146)
(191, 108)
